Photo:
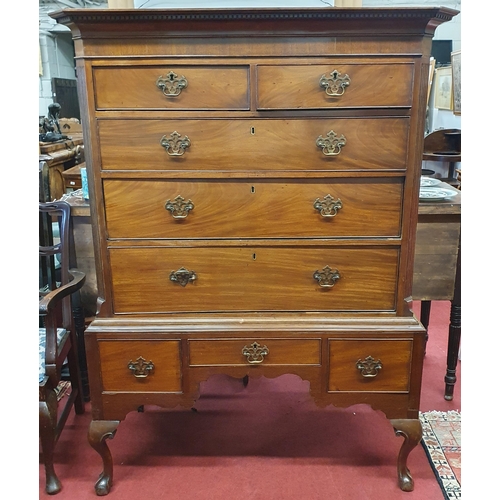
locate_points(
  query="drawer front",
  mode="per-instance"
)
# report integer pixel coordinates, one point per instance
(153, 279)
(370, 365)
(192, 87)
(140, 365)
(244, 144)
(253, 351)
(334, 86)
(197, 209)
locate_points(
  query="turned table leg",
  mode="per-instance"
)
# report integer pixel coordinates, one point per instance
(411, 430)
(454, 334)
(99, 431)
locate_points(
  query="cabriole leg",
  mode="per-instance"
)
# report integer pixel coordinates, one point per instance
(411, 430)
(99, 431)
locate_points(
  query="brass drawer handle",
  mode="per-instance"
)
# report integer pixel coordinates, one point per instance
(327, 277)
(171, 85)
(368, 367)
(141, 368)
(179, 208)
(335, 84)
(332, 144)
(328, 206)
(175, 145)
(255, 353)
(182, 276)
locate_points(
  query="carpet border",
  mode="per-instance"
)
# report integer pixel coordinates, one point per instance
(452, 489)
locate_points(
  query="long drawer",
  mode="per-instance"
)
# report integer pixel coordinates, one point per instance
(333, 86)
(205, 279)
(172, 87)
(369, 365)
(230, 145)
(261, 209)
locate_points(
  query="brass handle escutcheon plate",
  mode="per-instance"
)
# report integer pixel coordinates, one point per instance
(332, 144)
(327, 277)
(171, 85)
(369, 367)
(255, 353)
(140, 367)
(328, 206)
(175, 145)
(179, 208)
(335, 84)
(182, 276)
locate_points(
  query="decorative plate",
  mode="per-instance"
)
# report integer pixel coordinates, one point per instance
(429, 181)
(435, 193)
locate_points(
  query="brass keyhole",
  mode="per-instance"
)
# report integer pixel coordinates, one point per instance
(252, 130)
(252, 189)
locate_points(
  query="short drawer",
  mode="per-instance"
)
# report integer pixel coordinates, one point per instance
(334, 86)
(261, 209)
(140, 365)
(369, 365)
(206, 279)
(251, 351)
(251, 144)
(172, 87)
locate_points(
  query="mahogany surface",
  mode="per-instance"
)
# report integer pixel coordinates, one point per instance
(228, 110)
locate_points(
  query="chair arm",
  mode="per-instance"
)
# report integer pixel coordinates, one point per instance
(49, 301)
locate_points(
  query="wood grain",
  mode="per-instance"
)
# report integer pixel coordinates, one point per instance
(261, 209)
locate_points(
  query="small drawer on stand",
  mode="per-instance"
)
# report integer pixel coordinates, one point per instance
(369, 365)
(140, 365)
(245, 351)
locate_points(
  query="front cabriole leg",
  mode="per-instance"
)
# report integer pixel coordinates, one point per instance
(411, 430)
(99, 431)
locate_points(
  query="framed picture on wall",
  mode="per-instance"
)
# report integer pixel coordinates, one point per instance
(456, 69)
(443, 90)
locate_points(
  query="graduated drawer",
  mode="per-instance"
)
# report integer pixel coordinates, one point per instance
(253, 144)
(140, 365)
(370, 365)
(208, 87)
(211, 209)
(205, 279)
(299, 86)
(234, 352)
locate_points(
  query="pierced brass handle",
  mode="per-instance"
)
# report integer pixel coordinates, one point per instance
(255, 353)
(141, 368)
(335, 84)
(171, 85)
(175, 145)
(179, 208)
(332, 144)
(327, 277)
(182, 276)
(328, 206)
(368, 367)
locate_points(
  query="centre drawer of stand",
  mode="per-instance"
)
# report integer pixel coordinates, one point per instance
(266, 351)
(334, 86)
(254, 144)
(211, 209)
(207, 279)
(187, 87)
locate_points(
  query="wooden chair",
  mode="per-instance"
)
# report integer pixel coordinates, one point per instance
(57, 334)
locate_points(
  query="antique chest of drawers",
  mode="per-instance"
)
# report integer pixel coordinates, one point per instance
(254, 187)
